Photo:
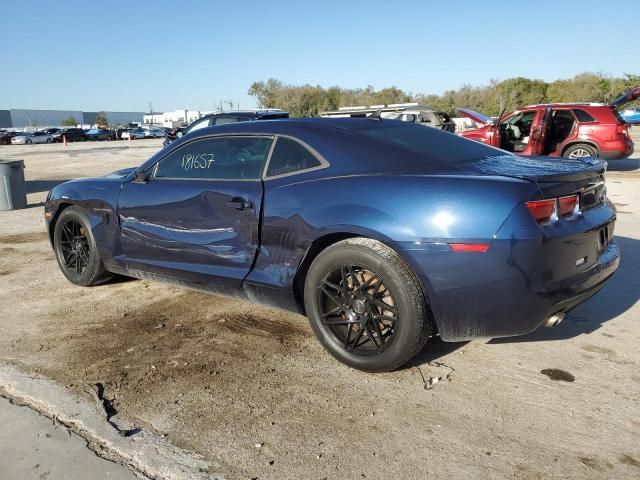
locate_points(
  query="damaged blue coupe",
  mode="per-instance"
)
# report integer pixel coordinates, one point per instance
(382, 233)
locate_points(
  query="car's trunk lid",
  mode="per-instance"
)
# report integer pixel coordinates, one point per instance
(626, 98)
(554, 177)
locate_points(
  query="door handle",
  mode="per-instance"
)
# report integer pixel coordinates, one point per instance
(239, 203)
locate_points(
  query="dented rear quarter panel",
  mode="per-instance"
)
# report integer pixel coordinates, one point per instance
(409, 213)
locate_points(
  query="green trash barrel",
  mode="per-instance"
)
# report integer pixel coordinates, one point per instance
(13, 192)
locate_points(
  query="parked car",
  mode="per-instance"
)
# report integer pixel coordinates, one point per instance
(98, 134)
(31, 137)
(154, 132)
(228, 117)
(50, 131)
(571, 130)
(174, 134)
(425, 116)
(406, 112)
(631, 116)
(5, 137)
(132, 133)
(72, 134)
(464, 240)
(118, 133)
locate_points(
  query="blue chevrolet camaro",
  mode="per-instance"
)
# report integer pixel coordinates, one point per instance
(383, 233)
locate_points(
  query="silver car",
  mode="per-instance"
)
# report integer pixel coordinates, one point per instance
(132, 134)
(154, 132)
(27, 138)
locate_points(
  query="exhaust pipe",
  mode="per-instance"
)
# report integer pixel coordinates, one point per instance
(554, 320)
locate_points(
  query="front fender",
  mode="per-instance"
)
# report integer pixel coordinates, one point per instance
(98, 198)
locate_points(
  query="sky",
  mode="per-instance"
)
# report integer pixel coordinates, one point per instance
(121, 55)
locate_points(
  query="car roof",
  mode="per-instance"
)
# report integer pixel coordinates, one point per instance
(247, 113)
(349, 146)
(568, 104)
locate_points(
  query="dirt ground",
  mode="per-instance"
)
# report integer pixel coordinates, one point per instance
(252, 390)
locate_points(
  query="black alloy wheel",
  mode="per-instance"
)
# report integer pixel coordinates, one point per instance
(357, 309)
(366, 305)
(76, 249)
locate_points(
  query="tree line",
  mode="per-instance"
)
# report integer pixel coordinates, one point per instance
(498, 96)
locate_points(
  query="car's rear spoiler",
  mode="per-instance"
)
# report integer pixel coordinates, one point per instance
(541, 169)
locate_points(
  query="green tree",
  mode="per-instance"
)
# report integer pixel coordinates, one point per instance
(69, 122)
(491, 99)
(101, 119)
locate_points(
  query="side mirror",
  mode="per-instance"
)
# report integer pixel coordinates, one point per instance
(140, 176)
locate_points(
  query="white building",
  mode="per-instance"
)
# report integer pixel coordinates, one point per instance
(173, 119)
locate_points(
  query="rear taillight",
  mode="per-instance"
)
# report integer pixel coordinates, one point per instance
(567, 205)
(542, 210)
(623, 130)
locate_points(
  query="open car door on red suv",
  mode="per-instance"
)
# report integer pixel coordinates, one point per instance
(523, 131)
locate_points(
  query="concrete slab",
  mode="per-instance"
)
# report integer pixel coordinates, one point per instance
(147, 454)
(34, 447)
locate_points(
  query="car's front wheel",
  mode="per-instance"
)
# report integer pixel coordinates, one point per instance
(366, 305)
(28, 141)
(76, 250)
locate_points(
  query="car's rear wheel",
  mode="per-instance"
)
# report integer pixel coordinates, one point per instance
(28, 141)
(76, 250)
(580, 150)
(48, 140)
(366, 306)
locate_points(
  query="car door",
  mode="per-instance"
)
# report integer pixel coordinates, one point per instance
(196, 217)
(39, 137)
(539, 132)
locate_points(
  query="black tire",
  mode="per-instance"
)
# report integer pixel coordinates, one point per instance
(72, 234)
(410, 321)
(28, 141)
(48, 140)
(580, 150)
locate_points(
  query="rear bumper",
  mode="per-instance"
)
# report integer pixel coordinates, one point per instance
(469, 300)
(523, 279)
(619, 153)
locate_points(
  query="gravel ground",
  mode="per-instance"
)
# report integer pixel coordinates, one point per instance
(249, 387)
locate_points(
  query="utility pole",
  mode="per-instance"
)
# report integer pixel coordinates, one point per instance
(151, 112)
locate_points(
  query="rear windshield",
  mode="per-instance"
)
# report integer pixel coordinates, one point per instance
(618, 116)
(445, 147)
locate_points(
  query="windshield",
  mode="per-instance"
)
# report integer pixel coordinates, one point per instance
(430, 142)
(93, 130)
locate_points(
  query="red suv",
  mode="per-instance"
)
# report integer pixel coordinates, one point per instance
(570, 130)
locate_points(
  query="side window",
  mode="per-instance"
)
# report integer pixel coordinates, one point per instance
(583, 116)
(290, 156)
(409, 117)
(224, 120)
(198, 125)
(238, 158)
